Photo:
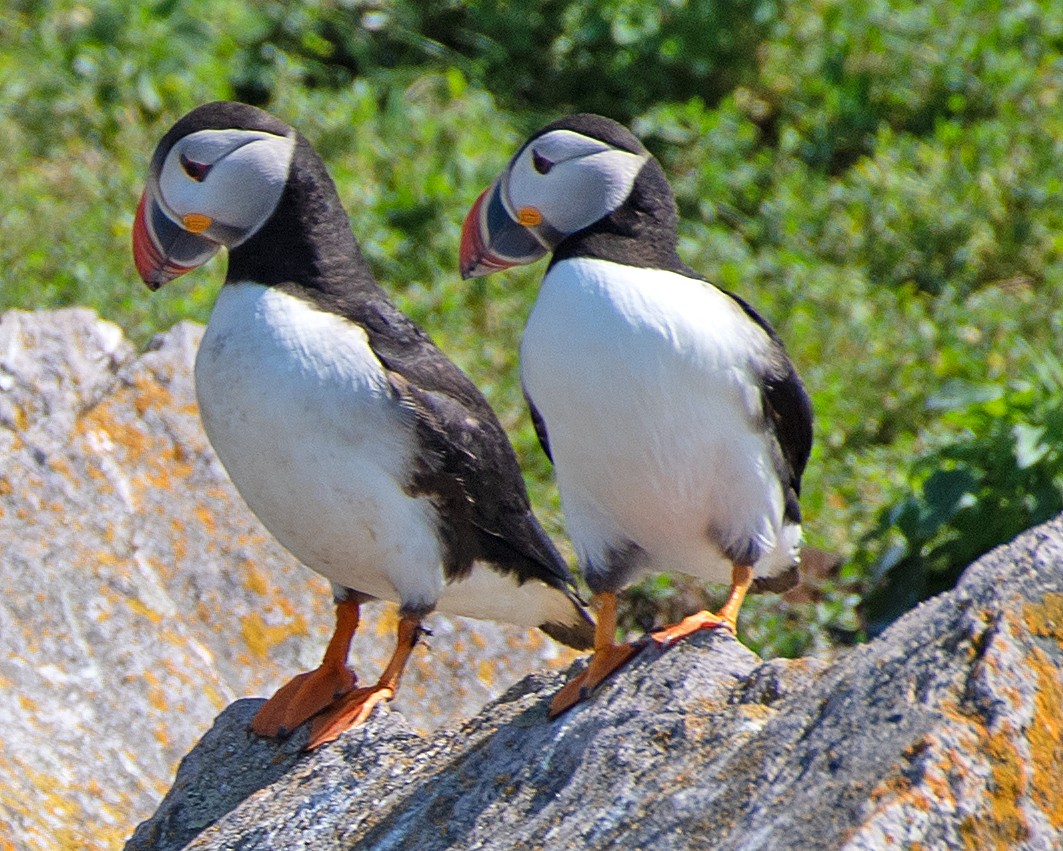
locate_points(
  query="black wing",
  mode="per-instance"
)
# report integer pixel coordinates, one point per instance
(540, 426)
(467, 466)
(788, 410)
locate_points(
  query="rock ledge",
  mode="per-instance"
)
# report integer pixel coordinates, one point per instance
(946, 732)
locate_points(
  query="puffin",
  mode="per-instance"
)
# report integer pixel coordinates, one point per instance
(676, 422)
(364, 450)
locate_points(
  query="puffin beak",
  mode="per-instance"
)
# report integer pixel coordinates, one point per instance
(162, 249)
(491, 239)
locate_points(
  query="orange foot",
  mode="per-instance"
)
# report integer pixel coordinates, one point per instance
(349, 711)
(727, 617)
(608, 657)
(355, 707)
(302, 699)
(689, 625)
(606, 661)
(310, 693)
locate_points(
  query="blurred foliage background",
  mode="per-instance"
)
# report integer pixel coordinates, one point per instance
(882, 179)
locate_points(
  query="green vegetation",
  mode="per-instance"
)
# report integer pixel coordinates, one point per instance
(881, 179)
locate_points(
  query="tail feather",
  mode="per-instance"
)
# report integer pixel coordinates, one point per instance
(576, 632)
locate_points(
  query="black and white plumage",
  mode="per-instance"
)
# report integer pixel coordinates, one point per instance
(677, 424)
(359, 445)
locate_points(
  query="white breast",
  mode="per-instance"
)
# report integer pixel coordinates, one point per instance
(645, 381)
(296, 405)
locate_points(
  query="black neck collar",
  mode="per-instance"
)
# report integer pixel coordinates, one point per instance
(308, 239)
(642, 232)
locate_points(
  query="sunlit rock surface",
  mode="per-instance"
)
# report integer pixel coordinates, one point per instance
(946, 732)
(140, 597)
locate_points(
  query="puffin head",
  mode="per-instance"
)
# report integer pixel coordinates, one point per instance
(215, 179)
(565, 178)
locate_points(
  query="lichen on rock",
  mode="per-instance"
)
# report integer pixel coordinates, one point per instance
(141, 596)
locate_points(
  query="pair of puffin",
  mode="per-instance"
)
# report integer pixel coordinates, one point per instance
(677, 425)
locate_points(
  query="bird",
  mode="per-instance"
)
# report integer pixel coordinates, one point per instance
(676, 422)
(363, 449)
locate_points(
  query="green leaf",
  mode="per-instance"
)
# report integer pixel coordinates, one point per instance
(957, 394)
(1030, 447)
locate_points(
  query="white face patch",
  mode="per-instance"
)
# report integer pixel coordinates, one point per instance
(571, 179)
(236, 177)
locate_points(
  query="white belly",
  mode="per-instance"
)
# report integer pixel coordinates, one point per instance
(297, 407)
(643, 379)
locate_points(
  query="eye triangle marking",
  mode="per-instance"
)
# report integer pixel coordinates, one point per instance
(197, 171)
(540, 163)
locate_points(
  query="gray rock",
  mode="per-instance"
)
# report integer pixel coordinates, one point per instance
(946, 732)
(141, 597)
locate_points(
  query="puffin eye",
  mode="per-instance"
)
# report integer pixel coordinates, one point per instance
(197, 171)
(540, 163)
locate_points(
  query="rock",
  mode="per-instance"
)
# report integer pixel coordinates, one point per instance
(946, 732)
(141, 596)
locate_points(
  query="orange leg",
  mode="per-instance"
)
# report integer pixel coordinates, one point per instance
(310, 693)
(727, 617)
(355, 707)
(608, 658)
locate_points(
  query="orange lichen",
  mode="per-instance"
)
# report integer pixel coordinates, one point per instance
(283, 603)
(260, 637)
(179, 463)
(756, 711)
(255, 580)
(1003, 826)
(387, 622)
(141, 608)
(106, 557)
(485, 672)
(213, 695)
(51, 817)
(205, 517)
(62, 466)
(150, 394)
(157, 695)
(937, 785)
(178, 540)
(1045, 619)
(129, 437)
(1046, 738)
